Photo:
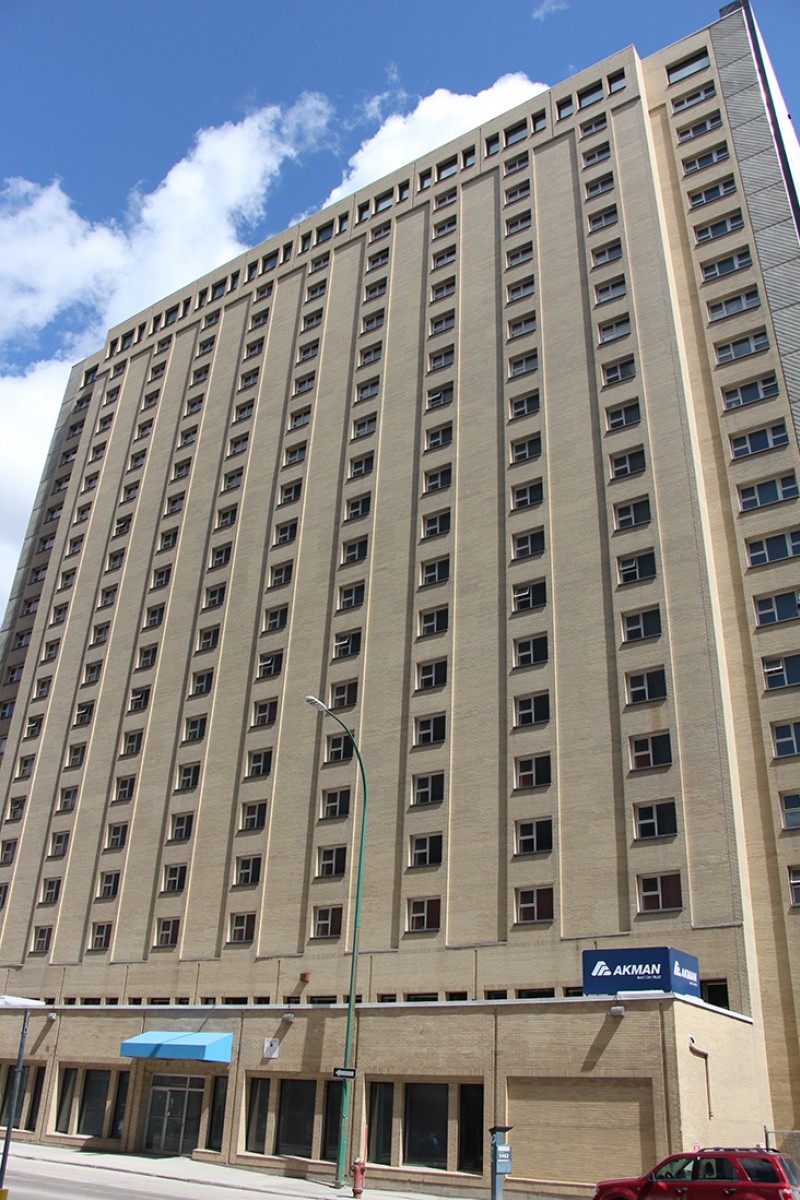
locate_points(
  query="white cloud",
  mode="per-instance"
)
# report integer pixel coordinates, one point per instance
(55, 264)
(60, 272)
(29, 405)
(547, 8)
(437, 119)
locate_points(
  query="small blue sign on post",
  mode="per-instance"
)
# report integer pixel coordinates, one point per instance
(657, 969)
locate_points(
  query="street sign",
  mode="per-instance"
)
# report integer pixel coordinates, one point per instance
(344, 1072)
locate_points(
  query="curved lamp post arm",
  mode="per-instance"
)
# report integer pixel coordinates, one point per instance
(341, 1158)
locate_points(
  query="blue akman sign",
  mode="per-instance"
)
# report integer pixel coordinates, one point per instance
(661, 969)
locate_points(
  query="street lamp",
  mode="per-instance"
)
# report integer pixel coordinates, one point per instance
(23, 1003)
(349, 1055)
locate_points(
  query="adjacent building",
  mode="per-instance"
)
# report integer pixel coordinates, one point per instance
(499, 458)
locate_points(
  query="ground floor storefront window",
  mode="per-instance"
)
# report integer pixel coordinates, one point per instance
(92, 1101)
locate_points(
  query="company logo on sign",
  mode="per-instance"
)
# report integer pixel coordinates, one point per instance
(644, 970)
(685, 973)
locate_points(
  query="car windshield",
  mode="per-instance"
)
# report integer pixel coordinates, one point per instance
(674, 1168)
(792, 1170)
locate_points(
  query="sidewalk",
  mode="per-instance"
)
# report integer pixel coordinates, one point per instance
(245, 1184)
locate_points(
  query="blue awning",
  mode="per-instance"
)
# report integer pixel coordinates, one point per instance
(199, 1047)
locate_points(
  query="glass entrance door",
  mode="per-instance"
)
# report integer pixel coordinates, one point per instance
(173, 1122)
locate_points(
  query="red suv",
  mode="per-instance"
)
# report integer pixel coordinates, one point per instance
(713, 1174)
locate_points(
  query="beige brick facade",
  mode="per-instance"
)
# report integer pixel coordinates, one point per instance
(498, 458)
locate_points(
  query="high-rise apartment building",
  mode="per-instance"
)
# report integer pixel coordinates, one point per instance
(499, 458)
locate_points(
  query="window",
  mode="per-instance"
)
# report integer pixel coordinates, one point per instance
(750, 393)
(532, 772)
(270, 664)
(534, 904)
(361, 466)
(340, 748)
(635, 512)
(116, 836)
(524, 406)
(616, 372)
(706, 159)
(265, 712)
(424, 916)
(781, 672)
(522, 325)
(242, 927)
(607, 254)
(208, 638)
(565, 108)
(359, 506)
(520, 191)
(646, 685)
(518, 223)
(532, 710)
(612, 330)
(435, 571)
(753, 343)
(726, 266)
(534, 837)
(327, 922)
(174, 878)
(167, 931)
(441, 436)
(375, 261)
(344, 695)
(691, 98)
(286, 532)
(637, 567)
(195, 729)
(529, 595)
(254, 815)
(714, 191)
(769, 491)
(335, 803)
(659, 893)
(109, 885)
(429, 730)
(76, 755)
(630, 462)
(351, 596)
(435, 620)
(188, 777)
(654, 750)
(181, 827)
(376, 289)
(519, 255)
(790, 808)
(232, 480)
(530, 652)
(174, 504)
(304, 384)
(597, 154)
(124, 789)
(602, 220)
(708, 233)
(355, 551)
(364, 426)
(373, 320)
(528, 545)
(331, 860)
(345, 645)
(131, 742)
(655, 820)
(783, 606)
(437, 480)
(623, 415)
(443, 322)
(432, 674)
(442, 228)
(745, 444)
(58, 844)
(281, 574)
(786, 739)
(598, 187)
(436, 524)
(590, 95)
(688, 66)
(154, 617)
(426, 850)
(428, 789)
(492, 144)
(523, 287)
(8, 850)
(441, 358)
(42, 935)
(596, 125)
(83, 715)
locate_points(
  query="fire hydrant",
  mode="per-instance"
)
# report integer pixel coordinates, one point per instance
(359, 1171)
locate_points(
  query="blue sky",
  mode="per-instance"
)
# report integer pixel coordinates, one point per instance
(143, 143)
